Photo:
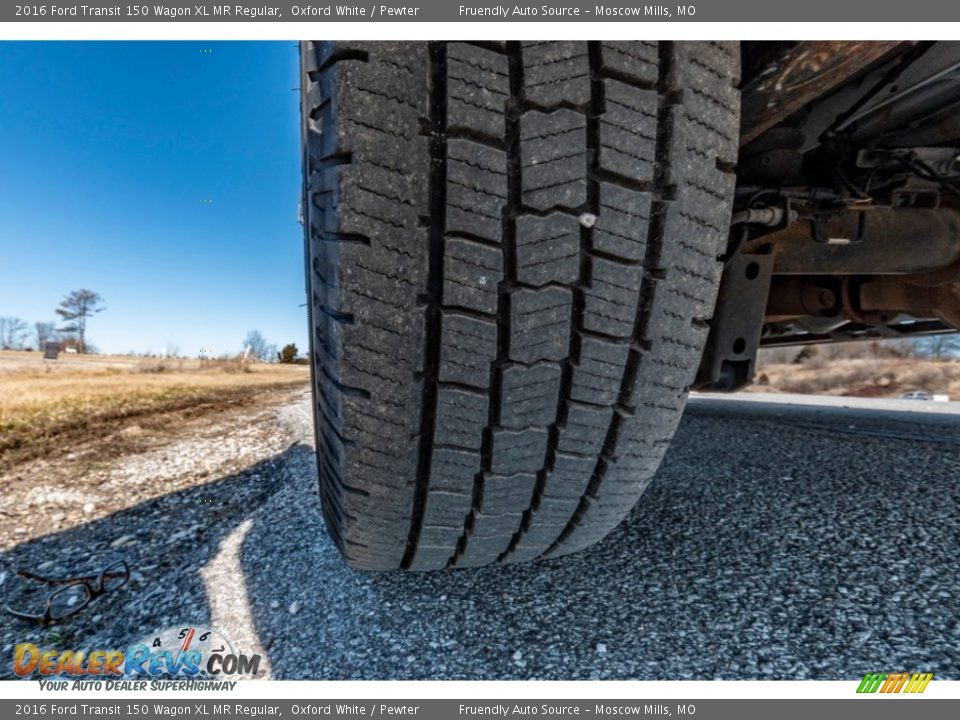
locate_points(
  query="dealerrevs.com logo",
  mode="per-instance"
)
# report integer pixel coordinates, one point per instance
(191, 653)
(895, 683)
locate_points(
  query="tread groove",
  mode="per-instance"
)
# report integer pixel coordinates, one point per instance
(433, 315)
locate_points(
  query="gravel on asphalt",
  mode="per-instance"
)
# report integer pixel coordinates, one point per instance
(776, 542)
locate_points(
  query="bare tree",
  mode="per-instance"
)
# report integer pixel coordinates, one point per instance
(258, 346)
(939, 346)
(75, 309)
(13, 331)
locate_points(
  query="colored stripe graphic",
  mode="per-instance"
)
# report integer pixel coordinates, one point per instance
(918, 682)
(894, 682)
(870, 683)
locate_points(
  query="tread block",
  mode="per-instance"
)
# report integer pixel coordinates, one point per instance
(495, 525)
(352, 87)
(628, 131)
(478, 88)
(628, 468)
(533, 542)
(469, 346)
(483, 549)
(430, 557)
(556, 72)
(585, 429)
(569, 476)
(548, 249)
(471, 272)
(518, 451)
(381, 421)
(553, 159)
(611, 300)
(461, 418)
(447, 509)
(540, 324)
(557, 511)
(709, 72)
(529, 395)
(440, 535)
(453, 471)
(503, 493)
(476, 189)
(634, 61)
(621, 227)
(598, 374)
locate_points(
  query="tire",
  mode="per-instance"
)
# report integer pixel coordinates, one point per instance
(511, 263)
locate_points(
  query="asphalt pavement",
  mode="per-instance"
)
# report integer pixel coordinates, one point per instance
(783, 538)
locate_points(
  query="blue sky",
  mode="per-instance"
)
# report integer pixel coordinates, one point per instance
(163, 177)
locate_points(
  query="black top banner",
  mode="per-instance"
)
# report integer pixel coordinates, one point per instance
(738, 11)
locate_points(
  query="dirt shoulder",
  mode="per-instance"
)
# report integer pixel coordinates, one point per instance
(164, 499)
(52, 409)
(142, 458)
(861, 377)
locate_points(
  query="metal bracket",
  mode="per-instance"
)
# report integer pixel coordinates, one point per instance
(730, 355)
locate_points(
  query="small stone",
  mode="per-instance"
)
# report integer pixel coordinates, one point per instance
(274, 604)
(294, 607)
(88, 508)
(131, 431)
(602, 648)
(123, 540)
(588, 220)
(20, 531)
(517, 656)
(442, 598)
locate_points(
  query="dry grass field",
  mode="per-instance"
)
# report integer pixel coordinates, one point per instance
(46, 405)
(861, 377)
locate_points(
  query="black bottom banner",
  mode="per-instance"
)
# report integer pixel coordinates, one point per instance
(874, 708)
